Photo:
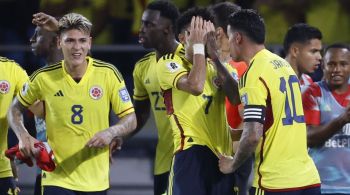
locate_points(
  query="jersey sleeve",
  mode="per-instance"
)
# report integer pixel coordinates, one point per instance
(30, 92)
(22, 78)
(140, 92)
(253, 93)
(170, 69)
(311, 105)
(120, 98)
(232, 71)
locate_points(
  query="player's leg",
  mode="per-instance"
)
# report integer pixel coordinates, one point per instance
(242, 176)
(37, 185)
(8, 186)
(187, 173)
(160, 183)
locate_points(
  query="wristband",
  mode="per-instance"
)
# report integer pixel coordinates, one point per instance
(198, 48)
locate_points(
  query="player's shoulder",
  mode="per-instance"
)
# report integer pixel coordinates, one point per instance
(107, 68)
(145, 59)
(9, 64)
(46, 70)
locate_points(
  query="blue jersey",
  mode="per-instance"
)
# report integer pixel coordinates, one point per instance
(332, 159)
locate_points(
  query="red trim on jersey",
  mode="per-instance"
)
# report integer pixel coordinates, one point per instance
(342, 99)
(267, 124)
(291, 189)
(268, 114)
(311, 112)
(168, 101)
(181, 134)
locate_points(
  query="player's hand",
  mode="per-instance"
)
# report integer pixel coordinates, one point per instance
(45, 21)
(100, 139)
(26, 145)
(212, 47)
(225, 164)
(197, 32)
(115, 145)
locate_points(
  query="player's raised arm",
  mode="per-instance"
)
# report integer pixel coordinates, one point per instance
(193, 82)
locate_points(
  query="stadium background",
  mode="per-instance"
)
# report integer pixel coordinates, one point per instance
(116, 24)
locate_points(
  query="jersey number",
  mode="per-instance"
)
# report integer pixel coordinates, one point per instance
(76, 117)
(209, 98)
(290, 117)
(156, 106)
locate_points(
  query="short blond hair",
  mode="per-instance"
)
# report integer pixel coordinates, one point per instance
(74, 21)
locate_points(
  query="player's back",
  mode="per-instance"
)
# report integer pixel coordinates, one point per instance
(281, 155)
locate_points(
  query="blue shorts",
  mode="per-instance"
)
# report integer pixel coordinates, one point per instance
(55, 190)
(308, 191)
(8, 186)
(160, 183)
(196, 171)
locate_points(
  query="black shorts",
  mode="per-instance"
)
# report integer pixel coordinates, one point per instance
(160, 183)
(8, 186)
(308, 191)
(196, 171)
(55, 190)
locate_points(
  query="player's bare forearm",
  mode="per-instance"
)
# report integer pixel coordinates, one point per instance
(229, 84)
(125, 126)
(142, 111)
(15, 118)
(252, 132)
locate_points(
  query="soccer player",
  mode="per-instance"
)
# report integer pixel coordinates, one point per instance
(78, 93)
(158, 32)
(222, 11)
(44, 45)
(327, 115)
(12, 79)
(274, 126)
(302, 45)
(194, 97)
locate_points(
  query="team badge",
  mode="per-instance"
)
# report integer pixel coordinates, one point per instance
(96, 92)
(244, 99)
(172, 66)
(216, 82)
(124, 95)
(4, 86)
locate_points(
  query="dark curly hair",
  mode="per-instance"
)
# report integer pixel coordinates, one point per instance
(167, 10)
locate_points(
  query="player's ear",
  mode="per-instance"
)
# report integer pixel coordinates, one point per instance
(238, 37)
(182, 38)
(294, 50)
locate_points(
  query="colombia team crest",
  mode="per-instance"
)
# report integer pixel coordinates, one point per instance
(216, 82)
(4, 86)
(96, 92)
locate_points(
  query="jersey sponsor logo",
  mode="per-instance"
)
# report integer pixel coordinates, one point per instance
(216, 82)
(172, 66)
(124, 95)
(59, 93)
(4, 86)
(96, 92)
(244, 99)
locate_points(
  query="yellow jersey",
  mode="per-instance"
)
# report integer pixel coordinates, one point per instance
(146, 86)
(74, 113)
(270, 93)
(12, 79)
(195, 120)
